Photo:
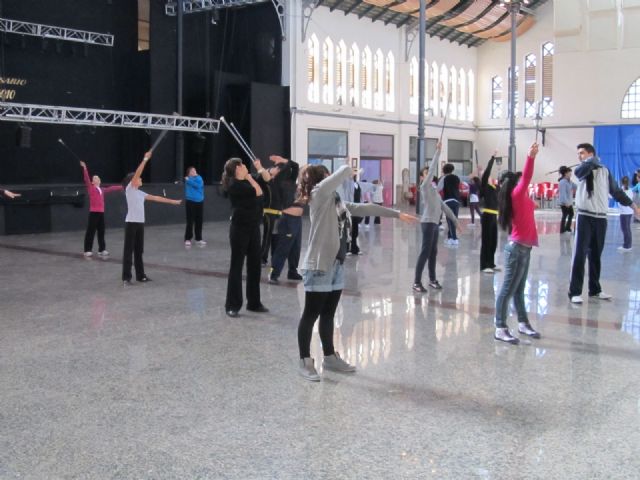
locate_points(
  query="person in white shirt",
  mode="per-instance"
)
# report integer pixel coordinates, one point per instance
(377, 198)
(134, 223)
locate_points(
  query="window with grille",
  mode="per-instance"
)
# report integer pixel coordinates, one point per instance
(341, 77)
(413, 86)
(354, 73)
(462, 95)
(496, 97)
(444, 90)
(378, 80)
(313, 80)
(530, 86)
(328, 74)
(547, 79)
(433, 88)
(365, 78)
(453, 93)
(631, 101)
(471, 97)
(390, 81)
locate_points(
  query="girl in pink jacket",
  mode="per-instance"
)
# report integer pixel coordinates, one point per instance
(96, 212)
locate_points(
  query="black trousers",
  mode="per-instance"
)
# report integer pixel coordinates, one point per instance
(428, 252)
(194, 218)
(588, 244)
(567, 216)
(133, 247)
(323, 305)
(489, 224)
(288, 243)
(95, 224)
(268, 225)
(355, 231)
(245, 242)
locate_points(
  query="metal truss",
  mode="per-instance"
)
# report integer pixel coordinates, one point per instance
(194, 6)
(56, 33)
(21, 112)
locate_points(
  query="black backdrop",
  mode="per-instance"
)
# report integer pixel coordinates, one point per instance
(232, 68)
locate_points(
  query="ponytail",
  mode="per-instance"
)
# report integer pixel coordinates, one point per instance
(508, 181)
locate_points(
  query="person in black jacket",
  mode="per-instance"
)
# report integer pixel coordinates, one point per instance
(488, 220)
(245, 192)
(449, 186)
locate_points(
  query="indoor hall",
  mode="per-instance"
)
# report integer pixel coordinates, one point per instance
(155, 381)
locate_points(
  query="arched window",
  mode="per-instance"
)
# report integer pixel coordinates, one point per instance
(462, 97)
(434, 86)
(516, 96)
(378, 80)
(313, 74)
(453, 93)
(471, 97)
(366, 89)
(341, 73)
(354, 75)
(530, 86)
(413, 86)
(444, 90)
(328, 74)
(496, 97)
(390, 83)
(631, 101)
(547, 79)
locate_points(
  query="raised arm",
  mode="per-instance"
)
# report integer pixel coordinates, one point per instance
(522, 187)
(85, 174)
(140, 169)
(263, 172)
(9, 194)
(487, 172)
(434, 161)
(333, 181)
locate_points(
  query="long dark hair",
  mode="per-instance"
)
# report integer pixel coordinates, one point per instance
(310, 176)
(126, 180)
(508, 181)
(230, 172)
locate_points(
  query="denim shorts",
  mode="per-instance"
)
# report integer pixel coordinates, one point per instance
(319, 281)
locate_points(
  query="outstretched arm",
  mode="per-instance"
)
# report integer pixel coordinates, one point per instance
(85, 174)
(158, 199)
(9, 194)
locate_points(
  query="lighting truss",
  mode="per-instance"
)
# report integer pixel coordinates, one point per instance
(194, 6)
(56, 33)
(20, 112)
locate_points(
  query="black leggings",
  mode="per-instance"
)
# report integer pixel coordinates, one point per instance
(316, 304)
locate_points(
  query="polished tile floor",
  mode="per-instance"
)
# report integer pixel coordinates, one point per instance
(156, 382)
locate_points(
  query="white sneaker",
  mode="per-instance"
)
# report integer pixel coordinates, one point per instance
(602, 296)
(471, 225)
(455, 242)
(88, 254)
(624, 250)
(308, 370)
(187, 243)
(103, 253)
(497, 268)
(576, 299)
(504, 335)
(337, 364)
(488, 270)
(201, 242)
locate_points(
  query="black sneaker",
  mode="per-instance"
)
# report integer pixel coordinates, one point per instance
(435, 284)
(259, 309)
(144, 279)
(273, 280)
(127, 283)
(418, 288)
(504, 335)
(294, 276)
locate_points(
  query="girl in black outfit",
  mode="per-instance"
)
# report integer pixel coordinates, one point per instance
(488, 221)
(245, 192)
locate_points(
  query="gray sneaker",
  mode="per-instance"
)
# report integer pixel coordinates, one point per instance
(504, 335)
(337, 364)
(308, 370)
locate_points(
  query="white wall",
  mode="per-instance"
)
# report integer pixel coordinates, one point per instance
(400, 123)
(593, 68)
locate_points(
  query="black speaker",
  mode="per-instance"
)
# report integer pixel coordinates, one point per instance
(23, 137)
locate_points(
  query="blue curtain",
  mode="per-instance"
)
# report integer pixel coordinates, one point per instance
(618, 146)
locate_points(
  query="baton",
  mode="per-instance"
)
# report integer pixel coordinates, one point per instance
(69, 149)
(235, 137)
(158, 140)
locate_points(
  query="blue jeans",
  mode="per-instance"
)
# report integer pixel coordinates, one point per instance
(516, 268)
(625, 225)
(288, 244)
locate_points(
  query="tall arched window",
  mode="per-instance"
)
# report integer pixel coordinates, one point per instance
(631, 101)
(390, 83)
(341, 73)
(354, 75)
(530, 86)
(462, 98)
(496, 97)
(366, 89)
(413, 86)
(547, 79)
(453, 93)
(328, 74)
(471, 97)
(313, 70)
(378, 80)
(444, 90)
(434, 85)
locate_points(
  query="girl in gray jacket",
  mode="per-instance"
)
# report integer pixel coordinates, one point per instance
(322, 268)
